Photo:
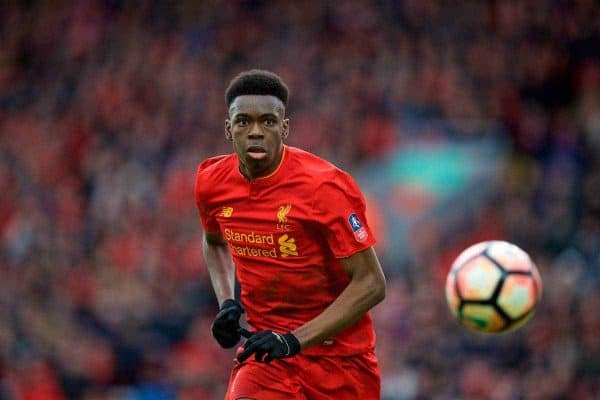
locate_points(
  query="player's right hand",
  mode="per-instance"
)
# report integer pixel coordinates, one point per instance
(268, 345)
(226, 326)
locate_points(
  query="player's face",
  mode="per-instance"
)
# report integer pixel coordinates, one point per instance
(256, 127)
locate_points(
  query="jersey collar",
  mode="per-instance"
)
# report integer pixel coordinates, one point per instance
(273, 176)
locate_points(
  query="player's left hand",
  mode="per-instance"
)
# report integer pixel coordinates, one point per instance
(268, 345)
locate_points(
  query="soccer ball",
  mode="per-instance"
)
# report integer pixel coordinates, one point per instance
(493, 286)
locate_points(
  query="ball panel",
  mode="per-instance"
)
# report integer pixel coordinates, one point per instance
(451, 294)
(482, 317)
(517, 295)
(509, 256)
(469, 253)
(478, 278)
(519, 322)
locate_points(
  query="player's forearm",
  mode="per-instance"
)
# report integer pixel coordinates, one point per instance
(220, 268)
(358, 298)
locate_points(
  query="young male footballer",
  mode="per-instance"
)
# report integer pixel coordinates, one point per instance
(291, 227)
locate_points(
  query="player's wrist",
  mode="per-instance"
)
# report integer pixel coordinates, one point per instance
(293, 344)
(231, 303)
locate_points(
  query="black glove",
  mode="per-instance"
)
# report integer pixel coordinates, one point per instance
(226, 326)
(268, 345)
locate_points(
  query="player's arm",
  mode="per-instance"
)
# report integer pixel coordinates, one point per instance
(226, 326)
(365, 290)
(220, 266)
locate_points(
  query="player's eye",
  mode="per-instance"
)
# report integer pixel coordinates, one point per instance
(242, 122)
(269, 122)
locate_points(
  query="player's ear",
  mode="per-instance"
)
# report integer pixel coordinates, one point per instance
(228, 130)
(285, 128)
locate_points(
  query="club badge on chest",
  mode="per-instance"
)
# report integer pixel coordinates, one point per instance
(282, 220)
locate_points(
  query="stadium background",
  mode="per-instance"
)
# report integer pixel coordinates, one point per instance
(463, 121)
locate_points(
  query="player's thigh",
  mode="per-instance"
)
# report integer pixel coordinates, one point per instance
(259, 381)
(355, 377)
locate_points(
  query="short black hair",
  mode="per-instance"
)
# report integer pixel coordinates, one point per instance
(257, 81)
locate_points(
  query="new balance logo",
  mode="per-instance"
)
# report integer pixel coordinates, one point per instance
(226, 212)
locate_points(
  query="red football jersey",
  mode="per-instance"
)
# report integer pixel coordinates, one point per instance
(286, 233)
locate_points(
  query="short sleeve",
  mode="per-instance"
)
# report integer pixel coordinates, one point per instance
(339, 210)
(207, 219)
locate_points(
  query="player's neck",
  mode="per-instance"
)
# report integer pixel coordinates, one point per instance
(260, 172)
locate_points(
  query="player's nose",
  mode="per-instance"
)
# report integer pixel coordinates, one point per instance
(255, 131)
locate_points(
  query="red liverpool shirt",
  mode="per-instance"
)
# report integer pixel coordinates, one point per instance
(286, 233)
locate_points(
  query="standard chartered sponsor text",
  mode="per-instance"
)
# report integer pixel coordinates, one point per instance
(250, 237)
(246, 238)
(253, 251)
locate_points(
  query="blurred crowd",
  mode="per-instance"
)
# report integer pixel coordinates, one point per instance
(106, 107)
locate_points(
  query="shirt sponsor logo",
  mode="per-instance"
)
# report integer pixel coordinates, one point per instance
(287, 246)
(253, 244)
(360, 233)
(226, 212)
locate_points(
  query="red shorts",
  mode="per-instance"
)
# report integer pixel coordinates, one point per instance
(307, 378)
